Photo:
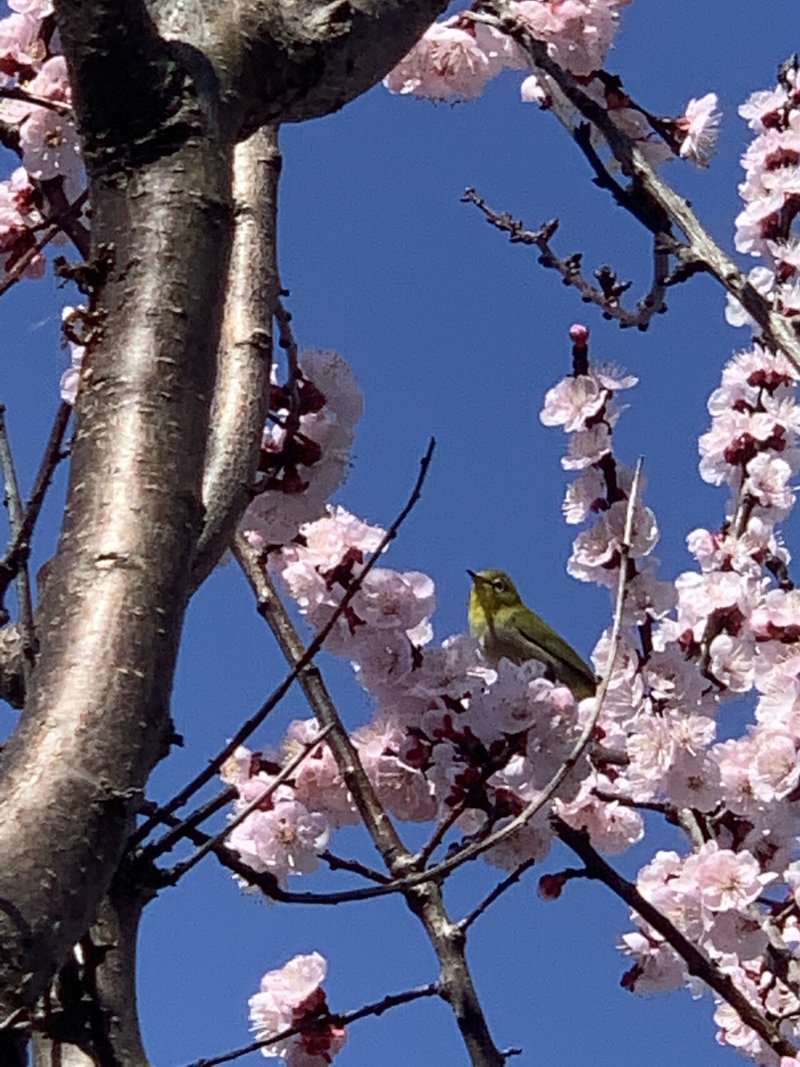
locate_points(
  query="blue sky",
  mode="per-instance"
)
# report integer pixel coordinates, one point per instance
(451, 332)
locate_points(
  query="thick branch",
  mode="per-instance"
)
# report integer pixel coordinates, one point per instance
(697, 963)
(97, 718)
(241, 395)
(129, 89)
(290, 60)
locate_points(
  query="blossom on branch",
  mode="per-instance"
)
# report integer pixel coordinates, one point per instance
(291, 997)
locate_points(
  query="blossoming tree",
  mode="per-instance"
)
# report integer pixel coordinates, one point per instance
(145, 139)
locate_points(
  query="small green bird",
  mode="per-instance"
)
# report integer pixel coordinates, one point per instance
(508, 629)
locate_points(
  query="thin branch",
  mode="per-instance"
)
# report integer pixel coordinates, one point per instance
(668, 810)
(16, 92)
(17, 551)
(379, 826)
(60, 209)
(287, 342)
(697, 963)
(495, 894)
(391, 1000)
(607, 295)
(16, 516)
(255, 720)
(286, 772)
(181, 827)
(52, 227)
(339, 863)
(244, 354)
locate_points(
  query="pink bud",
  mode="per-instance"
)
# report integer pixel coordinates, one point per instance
(579, 334)
(550, 886)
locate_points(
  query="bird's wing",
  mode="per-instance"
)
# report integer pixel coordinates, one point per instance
(551, 648)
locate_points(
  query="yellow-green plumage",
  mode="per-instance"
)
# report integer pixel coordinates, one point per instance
(507, 629)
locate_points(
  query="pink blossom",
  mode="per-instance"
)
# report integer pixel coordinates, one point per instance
(292, 997)
(657, 968)
(732, 1031)
(578, 32)
(533, 90)
(284, 840)
(612, 826)
(447, 63)
(727, 879)
(317, 781)
(19, 214)
(587, 447)
(50, 145)
(764, 104)
(70, 379)
(573, 402)
(530, 842)
(21, 47)
(38, 9)
(403, 789)
(756, 224)
(768, 480)
(300, 474)
(699, 126)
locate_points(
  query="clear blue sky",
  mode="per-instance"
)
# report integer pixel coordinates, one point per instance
(451, 332)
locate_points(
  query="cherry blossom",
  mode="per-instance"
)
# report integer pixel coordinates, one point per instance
(699, 125)
(292, 997)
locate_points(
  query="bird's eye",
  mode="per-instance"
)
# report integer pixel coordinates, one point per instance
(499, 585)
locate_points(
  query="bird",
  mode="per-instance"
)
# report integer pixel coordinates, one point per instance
(507, 629)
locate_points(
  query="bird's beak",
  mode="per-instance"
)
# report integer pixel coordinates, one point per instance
(477, 579)
(473, 575)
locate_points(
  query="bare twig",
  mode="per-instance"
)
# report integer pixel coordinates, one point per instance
(59, 209)
(181, 827)
(697, 963)
(287, 342)
(392, 1000)
(340, 863)
(17, 551)
(607, 295)
(495, 894)
(16, 513)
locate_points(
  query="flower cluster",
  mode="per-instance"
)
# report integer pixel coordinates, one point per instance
(291, 998)
(305, 449)
(48, 143)
(455, 59)
(451, 738)
(771, 193)
(735, 628)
